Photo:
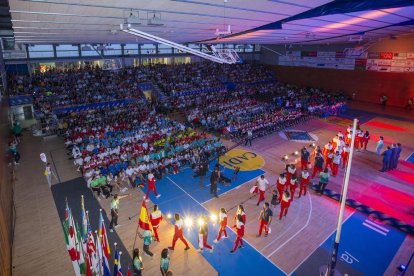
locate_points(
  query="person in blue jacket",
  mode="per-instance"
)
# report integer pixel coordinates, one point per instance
(393, 157)
(397, 156)
(386, 159)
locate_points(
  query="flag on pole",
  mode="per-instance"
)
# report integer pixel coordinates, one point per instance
(84, 221)
(69, 230)
(104, 238)
(117, 264)
(80, 252)
(144, 221)
(99, 251)
(91, 250)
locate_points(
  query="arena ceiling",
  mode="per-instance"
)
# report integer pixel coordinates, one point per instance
(252, 21)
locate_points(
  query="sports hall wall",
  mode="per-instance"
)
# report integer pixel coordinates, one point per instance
(368, 85)
(6, 197)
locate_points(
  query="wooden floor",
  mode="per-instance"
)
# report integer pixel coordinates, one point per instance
(310, 221)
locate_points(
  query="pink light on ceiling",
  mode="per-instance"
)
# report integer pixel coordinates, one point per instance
(355, 20)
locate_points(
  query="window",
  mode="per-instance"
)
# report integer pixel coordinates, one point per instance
(131, 49)
(113, 50)
(88, 51)
(249, 48)
(41, 51)
(67, 51)
(239, 48)
(164, 49)
(194, 46)
(148, 49)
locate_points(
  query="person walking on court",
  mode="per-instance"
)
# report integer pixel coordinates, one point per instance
(323, 181)
(380, 143)
(280, 186)
(48, 173)
(275, 200)
(223, 225)
(293, 185)
(214, 177)
(366, 139)
(345, 155)
(304, 158)
(284, 204)
(335, 163)
(156, 218)
(318, 166)
(238, 243)
(249, 137)
(240, 211)
(397, 155)
(304, 182)
(203, 235)
(147, 242)
(114, 212)
(178, 233)
(265, 218)
(203, 172)
(151, 186)
(262, 185)
(386, 159)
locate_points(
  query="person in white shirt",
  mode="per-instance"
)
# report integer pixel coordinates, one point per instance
(261, 183)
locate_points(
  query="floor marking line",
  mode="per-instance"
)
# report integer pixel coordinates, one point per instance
(306, 225)
(231, 229)
(376, 225)
(307, 257)
(373, 228)
(351, 256)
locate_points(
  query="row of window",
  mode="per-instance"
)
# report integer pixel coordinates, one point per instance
(77, 50)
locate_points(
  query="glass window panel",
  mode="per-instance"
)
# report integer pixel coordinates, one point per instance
(194, 46)
(249, 48)
(148, 49)
(131, 49)
(164, 49)
(67, 51)
(41, 51)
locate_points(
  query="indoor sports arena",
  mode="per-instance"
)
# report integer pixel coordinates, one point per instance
(207, 137)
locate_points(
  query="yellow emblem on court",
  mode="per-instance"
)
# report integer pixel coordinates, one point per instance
(246, 160)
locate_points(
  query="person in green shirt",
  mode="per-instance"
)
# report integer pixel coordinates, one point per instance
(165, 262)
(114, 211)
(137, 263)
(323, 181)
(147, 242)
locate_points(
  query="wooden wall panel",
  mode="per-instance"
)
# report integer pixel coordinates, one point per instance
(367, 85)
(6, 197)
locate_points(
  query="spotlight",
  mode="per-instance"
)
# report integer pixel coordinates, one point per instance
(296, 153)
(286, 157)
(401, 268)
(169, 216)
(200, 222)
(213, 218)
(188, 222)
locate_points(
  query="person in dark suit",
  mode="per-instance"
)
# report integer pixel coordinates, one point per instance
(386, 159)
(213, 181)
(203, 172)
(397, 155)
(393, 159)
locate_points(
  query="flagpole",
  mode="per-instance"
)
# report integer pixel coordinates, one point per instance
(331, 267)
(100, 260)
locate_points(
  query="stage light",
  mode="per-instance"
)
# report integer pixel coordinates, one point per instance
(286, 157)
(188, 222)
(200, 222)
(296, 153)
(213, 218)
(169, 216)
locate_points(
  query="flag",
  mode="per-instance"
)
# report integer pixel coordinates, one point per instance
(99, 254)
(104, 238)
(80, 251)
(84, 221)
(117, 264)
(91, 248)
(144, 221)
(69, 230)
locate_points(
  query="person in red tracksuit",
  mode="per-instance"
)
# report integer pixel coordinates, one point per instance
(356, 142)
(327, 149)
(261, 183)
(240, 211)
(361, 139)
(238, 243)
(293, 186)
(329, 159)
(348, 138)
(156, 218)
(223, 225)
(345, 155)
(265, 218)
(178, 233)
(291, 171)
(335, 163)
(366, 139)
(151, 186)
(304, 181)
(284, 204)
(280, 186)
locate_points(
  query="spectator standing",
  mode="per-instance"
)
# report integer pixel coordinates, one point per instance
(249, 137)
(214, 177)
(409, 105)
(203, 172)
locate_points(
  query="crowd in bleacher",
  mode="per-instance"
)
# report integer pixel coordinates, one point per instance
(118, 148)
